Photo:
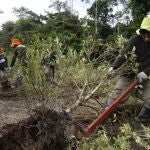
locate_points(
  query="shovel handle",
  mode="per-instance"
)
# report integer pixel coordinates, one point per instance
(89, 130)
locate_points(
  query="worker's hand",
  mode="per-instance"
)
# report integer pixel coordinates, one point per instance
(142, 76)
(8, 69)
(110, 72)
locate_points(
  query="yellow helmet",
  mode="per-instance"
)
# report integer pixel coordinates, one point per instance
(144, 25)
(15, 42)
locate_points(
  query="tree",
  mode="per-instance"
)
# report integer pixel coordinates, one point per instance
(23, 12)
(102, 12)
(139, 9)
(6, 34)
(60, 6)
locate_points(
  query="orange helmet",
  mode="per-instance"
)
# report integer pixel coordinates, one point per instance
(15, 42)
(1, 50)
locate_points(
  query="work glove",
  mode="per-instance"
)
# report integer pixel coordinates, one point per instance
(8, 69)
(110, 72)
(142, 76)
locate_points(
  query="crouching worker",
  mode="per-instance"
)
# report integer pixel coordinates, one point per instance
(3, 71)
(48, 62)
(140, 45)
(20, 54)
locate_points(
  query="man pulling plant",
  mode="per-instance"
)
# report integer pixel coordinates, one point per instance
(20, 53)
(48, 62)
(140, 43)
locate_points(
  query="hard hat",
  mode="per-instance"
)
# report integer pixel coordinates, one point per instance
(15, 42)
(144, 25)
(1, 50)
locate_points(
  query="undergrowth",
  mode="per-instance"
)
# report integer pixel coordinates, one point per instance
(75, 77)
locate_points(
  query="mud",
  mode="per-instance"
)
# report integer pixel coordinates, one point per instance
(45, 130)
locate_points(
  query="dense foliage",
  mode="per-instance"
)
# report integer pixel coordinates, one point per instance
(85, 48)
(72, 30)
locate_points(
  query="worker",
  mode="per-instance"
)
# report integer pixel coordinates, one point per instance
(20, 53)
(48, 62)
(3, 71)
(139, 44)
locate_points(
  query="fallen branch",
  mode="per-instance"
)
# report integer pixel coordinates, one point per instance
(85, 105)
(82, 99)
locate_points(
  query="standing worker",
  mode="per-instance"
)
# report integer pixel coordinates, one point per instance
(140, 43)
(20, 53)
(3, 74)
(48, 62)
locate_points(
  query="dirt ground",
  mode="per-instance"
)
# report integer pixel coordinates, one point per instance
(14, 107)
(22, 129)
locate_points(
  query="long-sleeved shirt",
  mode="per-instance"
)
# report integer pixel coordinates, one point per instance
(20, 53)
(142, 51)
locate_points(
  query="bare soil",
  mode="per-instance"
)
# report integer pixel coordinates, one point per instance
(45, 129)
(24, 127)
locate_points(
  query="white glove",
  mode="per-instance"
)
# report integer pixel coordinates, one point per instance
(110, 71)
(142, 76)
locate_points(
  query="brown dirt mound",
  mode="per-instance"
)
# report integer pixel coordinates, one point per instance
(45, 130)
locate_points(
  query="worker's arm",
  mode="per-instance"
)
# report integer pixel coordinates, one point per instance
(14, 58)
(122, 57)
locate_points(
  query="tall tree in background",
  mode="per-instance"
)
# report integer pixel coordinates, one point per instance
(103, 10)
(28, 23)
(23, 12)
(6, 34)
(60, 6)
(64, 23)
(139, 9)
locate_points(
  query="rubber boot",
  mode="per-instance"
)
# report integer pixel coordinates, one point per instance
(144, 115)
(19, 80)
